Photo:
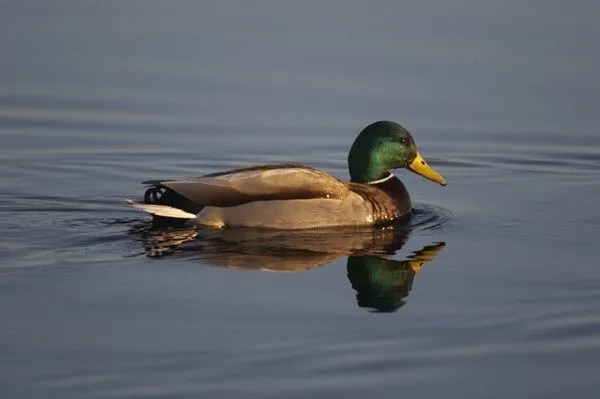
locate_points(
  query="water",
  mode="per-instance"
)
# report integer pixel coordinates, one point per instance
(490, 291)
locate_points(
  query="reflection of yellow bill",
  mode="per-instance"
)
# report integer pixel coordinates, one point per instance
(424, 256)
(419, 166)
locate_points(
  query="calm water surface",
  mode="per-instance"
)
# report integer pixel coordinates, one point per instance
(490, 290)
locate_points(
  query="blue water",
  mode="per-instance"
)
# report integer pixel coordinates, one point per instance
(491, 289)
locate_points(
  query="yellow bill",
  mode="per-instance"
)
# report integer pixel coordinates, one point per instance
(419, 166)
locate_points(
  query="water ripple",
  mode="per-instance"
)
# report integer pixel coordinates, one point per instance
(426, 217)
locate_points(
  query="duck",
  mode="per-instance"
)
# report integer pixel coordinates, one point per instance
(293, 196)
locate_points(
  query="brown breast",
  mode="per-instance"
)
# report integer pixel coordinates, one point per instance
(390, 199)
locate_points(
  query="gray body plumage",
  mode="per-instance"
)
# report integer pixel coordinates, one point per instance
(279, 197)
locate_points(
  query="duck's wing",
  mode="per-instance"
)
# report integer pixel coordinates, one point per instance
(257, 183)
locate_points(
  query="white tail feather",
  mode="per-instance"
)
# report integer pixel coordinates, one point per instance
(162, 210)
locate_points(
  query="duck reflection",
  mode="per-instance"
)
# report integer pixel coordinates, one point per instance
(381, 282)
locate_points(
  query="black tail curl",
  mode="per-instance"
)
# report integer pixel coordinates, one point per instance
(161, 195)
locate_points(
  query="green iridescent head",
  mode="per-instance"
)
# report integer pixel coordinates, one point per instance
(385, 145)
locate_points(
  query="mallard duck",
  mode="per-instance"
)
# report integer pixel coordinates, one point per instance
(296, 196)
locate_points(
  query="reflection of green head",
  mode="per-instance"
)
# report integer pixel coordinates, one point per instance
(380, 284)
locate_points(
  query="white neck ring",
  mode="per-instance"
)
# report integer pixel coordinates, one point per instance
(383, 179)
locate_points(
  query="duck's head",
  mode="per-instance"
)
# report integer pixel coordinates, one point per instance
(382, 146)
